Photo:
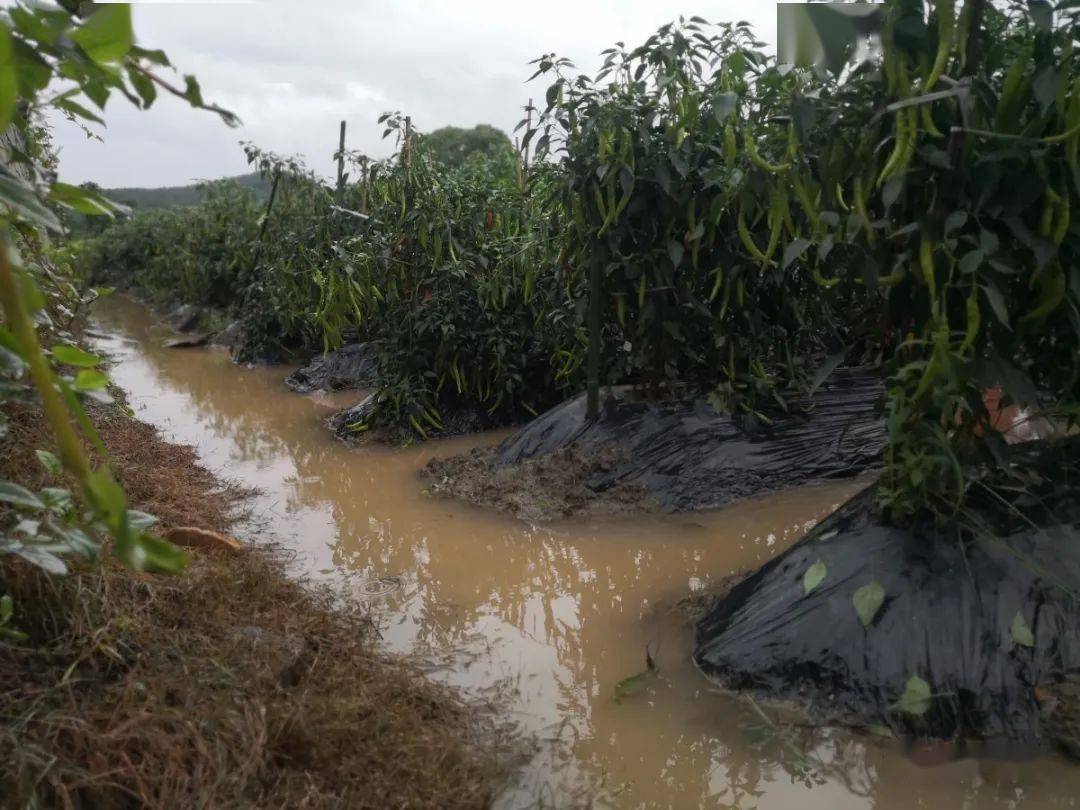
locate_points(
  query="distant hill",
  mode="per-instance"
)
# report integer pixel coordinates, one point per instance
(175, 196)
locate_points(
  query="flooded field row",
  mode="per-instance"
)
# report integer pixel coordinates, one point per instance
(554, 620)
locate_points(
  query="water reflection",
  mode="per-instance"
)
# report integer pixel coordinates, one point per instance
(556, 616)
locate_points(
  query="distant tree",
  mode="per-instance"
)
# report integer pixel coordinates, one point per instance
(453, 146)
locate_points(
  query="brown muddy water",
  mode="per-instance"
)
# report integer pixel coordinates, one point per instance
(549, 619)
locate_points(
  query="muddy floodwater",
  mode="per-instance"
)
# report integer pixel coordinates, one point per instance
(550, 619)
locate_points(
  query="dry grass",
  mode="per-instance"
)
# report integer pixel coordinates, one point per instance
(161, 478)
(231, 685)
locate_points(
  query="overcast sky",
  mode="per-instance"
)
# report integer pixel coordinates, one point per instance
(292, 70)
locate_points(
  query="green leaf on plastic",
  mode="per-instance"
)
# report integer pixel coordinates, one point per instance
(49, 461)
(1021, 632)
(868, 600)
(916, 697)
(74, 356)
(106, 36)
(813, 576)
(16, 495)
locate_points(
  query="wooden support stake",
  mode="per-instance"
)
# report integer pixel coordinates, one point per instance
(341, 166)
(365, 172)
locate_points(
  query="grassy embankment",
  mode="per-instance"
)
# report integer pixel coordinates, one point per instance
(228, 685)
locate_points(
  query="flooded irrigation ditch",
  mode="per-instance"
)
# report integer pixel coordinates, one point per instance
(555, 619)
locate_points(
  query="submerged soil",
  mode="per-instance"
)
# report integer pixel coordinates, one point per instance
(555, 620)
(542, 489)
(229, 685)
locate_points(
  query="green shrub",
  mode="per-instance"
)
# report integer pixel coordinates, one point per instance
(195, 254)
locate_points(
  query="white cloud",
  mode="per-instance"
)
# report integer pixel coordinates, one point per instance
(292, 70)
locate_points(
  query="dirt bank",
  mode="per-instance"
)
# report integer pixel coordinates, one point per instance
(229, 685)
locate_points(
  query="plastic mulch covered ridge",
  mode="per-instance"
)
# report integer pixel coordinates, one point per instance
(686, 456)
(960, 636)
